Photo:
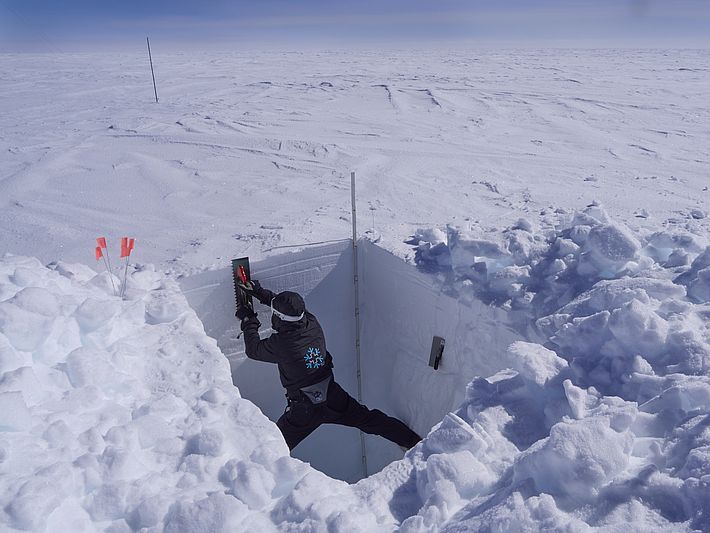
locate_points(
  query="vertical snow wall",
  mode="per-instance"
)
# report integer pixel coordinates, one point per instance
(401, 310)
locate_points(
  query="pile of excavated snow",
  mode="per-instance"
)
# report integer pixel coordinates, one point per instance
(610, 420)
(118, 415)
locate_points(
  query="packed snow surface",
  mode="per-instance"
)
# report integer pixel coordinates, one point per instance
(249, 150)
(567, 189)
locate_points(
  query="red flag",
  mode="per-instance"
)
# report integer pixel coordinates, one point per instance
(99, 253)
(124, 247)
(101, 241)
(131, 242)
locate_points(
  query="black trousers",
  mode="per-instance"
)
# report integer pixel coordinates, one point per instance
(302, 417)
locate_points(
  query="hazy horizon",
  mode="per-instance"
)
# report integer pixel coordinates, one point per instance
(40, 25)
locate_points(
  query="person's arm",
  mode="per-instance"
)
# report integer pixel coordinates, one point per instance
(263, 295)
(256, 348)
(254, 288)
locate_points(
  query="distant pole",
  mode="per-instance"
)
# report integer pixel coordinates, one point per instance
(155, 90)
(357, 316)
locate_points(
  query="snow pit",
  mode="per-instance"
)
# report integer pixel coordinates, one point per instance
(127, 418)
(401, 309)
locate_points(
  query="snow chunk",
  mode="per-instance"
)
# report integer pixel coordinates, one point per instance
(606, 251)
(86, 366)
(25, 330)
(10, 359)
(250, 482)
(24, 381)
(93, 313)
(218, 513)
(697, 278)
(108, 502)
(36, 300)
(207, 442)
(576, 460)
(14, 414)
(39, 496)
(639, 329)
(535, 362)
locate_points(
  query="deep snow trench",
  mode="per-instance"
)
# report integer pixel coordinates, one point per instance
(401, 309)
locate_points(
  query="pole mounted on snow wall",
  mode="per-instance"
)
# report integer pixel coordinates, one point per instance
(152, 73)
(357, 316)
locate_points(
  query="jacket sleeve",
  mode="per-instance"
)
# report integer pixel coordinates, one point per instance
(264, 295)
(260, 350)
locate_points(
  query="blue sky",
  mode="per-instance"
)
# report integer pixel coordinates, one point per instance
(37, 24)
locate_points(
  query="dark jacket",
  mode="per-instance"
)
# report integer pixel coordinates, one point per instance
(298, 348)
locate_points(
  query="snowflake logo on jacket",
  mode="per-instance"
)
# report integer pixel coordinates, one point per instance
(313, 358)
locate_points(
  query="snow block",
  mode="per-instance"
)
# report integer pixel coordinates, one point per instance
(25, 330)
(36, 300)
(14, 414)
(606, 251)
(93, 313)
(108, 502)
(250, 482)
(218, 513)
(535, 362)
(207, 442)
(86, 366)
(576, 460)
(10, 359)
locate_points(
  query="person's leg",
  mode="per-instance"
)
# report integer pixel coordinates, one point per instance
(298, 421)
(343, 409)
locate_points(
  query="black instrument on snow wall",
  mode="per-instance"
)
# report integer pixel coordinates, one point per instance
(437, 350)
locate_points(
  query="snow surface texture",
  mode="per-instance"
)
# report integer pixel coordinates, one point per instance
(435, 136)
(109, 423)
(611, 419)
(127, 408)
(121, 415)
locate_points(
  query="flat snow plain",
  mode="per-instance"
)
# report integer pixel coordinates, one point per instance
(499, 162)
(248, 151)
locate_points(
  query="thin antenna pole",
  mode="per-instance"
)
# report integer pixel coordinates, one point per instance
(356, 281)
(155, 89)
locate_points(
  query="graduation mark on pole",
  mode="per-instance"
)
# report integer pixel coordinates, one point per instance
(152, 73)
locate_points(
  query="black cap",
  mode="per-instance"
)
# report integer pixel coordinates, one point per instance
(289, 303)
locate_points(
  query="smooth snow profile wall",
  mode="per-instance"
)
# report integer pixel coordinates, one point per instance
(401, 309)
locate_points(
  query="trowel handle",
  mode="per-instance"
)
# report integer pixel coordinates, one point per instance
(243, 274)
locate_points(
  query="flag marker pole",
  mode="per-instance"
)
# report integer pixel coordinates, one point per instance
(126, 248)
(101, 241)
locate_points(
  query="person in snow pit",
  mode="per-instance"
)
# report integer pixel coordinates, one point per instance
(305, 368)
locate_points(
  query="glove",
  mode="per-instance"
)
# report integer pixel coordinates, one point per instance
(244, 312)
(251, 287)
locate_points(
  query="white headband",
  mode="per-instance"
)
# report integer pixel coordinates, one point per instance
(285, 318)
